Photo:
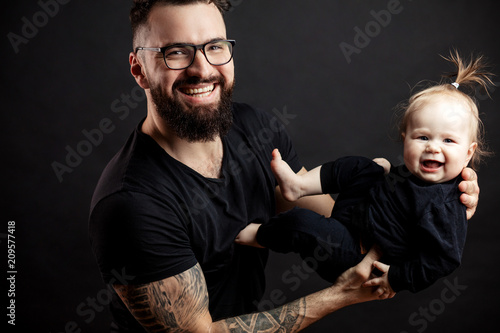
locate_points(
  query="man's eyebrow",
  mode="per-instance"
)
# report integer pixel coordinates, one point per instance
(184, 43)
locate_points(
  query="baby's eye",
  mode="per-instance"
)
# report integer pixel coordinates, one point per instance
(423, 137)
(448, 140)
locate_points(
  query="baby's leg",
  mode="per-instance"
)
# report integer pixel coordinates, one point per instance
(295, 186)
(326, 245)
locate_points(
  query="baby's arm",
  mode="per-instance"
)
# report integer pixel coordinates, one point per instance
(293, 186)
(248, 236)
(381, 281)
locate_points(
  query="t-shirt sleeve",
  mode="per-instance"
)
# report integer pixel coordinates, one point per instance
(439, 241)
(141, 236)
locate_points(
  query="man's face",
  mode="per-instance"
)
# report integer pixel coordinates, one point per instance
(195, 102)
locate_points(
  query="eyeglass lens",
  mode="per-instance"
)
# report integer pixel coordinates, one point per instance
(181, 56)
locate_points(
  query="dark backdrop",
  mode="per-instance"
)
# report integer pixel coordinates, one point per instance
(65, 79)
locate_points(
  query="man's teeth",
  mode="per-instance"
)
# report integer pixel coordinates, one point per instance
(201, 92)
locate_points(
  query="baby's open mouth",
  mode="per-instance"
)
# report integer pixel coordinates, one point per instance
(430, 164)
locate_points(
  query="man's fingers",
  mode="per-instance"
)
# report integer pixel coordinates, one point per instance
(468, 200)
(384, 293)
(469, 174)
(381, 266)
(469, 187)
(372, 282)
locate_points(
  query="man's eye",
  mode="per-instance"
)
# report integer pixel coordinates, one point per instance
(214, 47)
(218, 48)
(177, 52)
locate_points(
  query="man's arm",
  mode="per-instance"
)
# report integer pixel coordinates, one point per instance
(321, 204)
(180, 303)
(175, 304)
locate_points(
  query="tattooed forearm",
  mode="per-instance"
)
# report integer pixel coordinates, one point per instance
(285, 319)
(179, 304)
(170, 305)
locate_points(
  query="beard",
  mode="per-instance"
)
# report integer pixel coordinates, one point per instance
(198, 123)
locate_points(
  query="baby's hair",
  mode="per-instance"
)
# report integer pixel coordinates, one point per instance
(468, 76)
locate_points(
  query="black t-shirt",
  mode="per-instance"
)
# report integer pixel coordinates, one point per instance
(153, 217)
(421, 227)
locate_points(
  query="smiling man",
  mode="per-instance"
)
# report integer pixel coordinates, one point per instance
(194, 173)
(191, 98)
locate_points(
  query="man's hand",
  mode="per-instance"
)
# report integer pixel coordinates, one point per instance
(384, 288)
(469, 186)
(352, 282)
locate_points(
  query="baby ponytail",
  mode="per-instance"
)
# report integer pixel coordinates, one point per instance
(471, 74)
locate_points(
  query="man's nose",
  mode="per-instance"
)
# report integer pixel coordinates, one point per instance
(200, 66)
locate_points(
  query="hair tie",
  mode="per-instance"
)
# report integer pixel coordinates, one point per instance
(456, 85)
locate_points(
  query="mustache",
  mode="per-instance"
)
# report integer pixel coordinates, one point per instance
(196, 80)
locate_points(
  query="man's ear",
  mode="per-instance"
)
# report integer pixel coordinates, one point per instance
(137, 70)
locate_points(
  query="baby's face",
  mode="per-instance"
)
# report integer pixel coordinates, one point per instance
(437, 141)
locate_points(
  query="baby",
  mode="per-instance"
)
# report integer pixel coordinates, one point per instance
(411, 212)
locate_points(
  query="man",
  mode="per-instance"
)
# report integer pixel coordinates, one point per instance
(193, 174)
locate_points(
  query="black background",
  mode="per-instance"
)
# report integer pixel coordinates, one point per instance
(72, 73)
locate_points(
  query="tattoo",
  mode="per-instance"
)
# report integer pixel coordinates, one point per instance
(177, 303)
(285, 319)
(169, 305)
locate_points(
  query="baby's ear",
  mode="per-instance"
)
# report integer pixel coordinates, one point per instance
(470, 153)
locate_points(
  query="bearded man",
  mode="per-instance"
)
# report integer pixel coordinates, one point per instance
(193, 173)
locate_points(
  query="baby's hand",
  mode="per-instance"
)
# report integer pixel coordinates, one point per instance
(383, 163)
(384, 288)
(248, 236)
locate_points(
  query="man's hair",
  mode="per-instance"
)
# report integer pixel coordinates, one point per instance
(142, 8)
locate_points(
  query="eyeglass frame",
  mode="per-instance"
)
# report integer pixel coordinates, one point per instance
(196, 48)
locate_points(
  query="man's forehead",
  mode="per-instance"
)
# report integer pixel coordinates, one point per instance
(193, 23)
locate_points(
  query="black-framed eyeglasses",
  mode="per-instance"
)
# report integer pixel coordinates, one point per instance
(181, 56)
